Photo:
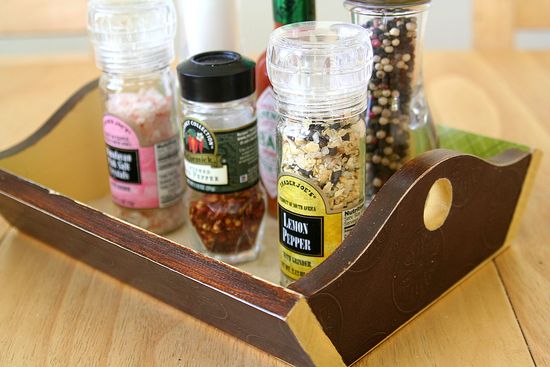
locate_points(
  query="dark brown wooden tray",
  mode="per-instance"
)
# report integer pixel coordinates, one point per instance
(387, 271)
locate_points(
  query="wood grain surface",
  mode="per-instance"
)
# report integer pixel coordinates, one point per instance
(33, 89)
(496, 22)
(532, 14)
(4, 226)
(57, 312)
(504, 95)
(232, 300)
(51, 16)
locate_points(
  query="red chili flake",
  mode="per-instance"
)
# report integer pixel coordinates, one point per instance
(228, 223)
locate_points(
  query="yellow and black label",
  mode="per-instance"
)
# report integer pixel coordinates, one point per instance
(308, 232)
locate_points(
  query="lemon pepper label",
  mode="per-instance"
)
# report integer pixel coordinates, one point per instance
(307, 233)
(300, 233)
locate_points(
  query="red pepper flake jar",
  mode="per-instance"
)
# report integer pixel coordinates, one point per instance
(134, 50)
(225, 201)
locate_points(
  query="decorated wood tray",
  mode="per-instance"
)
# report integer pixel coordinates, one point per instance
(432, 224)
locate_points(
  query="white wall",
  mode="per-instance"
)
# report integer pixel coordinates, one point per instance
(449, 25)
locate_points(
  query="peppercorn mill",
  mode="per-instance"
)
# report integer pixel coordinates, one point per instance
(399, 122)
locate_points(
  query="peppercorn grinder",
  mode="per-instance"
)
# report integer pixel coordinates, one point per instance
(399, 122)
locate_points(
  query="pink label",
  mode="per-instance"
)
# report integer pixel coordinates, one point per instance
(132, 168)
(267, 128)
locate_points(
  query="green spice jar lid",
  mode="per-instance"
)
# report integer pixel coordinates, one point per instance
(388, 3)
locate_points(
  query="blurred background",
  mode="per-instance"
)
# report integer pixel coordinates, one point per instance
(44, 27)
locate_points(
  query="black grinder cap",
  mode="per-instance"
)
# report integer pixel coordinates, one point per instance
(216, 76)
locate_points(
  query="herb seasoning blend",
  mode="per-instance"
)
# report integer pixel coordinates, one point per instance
(134, 51)
(225, 202)
(319, 72)
(284, 12)
(399, 124)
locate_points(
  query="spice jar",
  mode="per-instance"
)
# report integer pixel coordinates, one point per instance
(319, 72)
(134, 51)
(225, 202)
(399, 123)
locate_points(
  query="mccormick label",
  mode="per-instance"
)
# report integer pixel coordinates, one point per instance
(141, 177)
(308, 232)
(220, 161)
(267, 127)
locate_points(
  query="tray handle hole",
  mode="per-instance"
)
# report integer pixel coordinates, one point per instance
(438, 204)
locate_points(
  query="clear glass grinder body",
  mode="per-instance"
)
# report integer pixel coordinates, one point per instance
(319, 72)
(134, 51)
(399, 123)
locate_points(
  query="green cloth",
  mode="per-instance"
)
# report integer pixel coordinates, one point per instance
(470, 143)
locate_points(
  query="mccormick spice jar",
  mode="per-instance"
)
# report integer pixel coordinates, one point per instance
(134, 52)
(284, 12)
(225, 202)
(319, 72)
(399, 123)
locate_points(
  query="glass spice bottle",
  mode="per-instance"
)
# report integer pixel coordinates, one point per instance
(319, 72)
(225, 201)
(284, 12)
(399, 123)
(134, 51)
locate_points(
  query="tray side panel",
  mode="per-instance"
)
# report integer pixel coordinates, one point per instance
(71, 143)
(391, 267)
(246, 307)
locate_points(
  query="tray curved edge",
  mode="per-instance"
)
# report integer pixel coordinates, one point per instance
(391, 267)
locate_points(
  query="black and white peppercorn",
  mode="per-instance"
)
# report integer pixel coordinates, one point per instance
(390, 91)
(327, 153)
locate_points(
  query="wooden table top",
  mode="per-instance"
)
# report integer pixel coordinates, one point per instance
(55, 311)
